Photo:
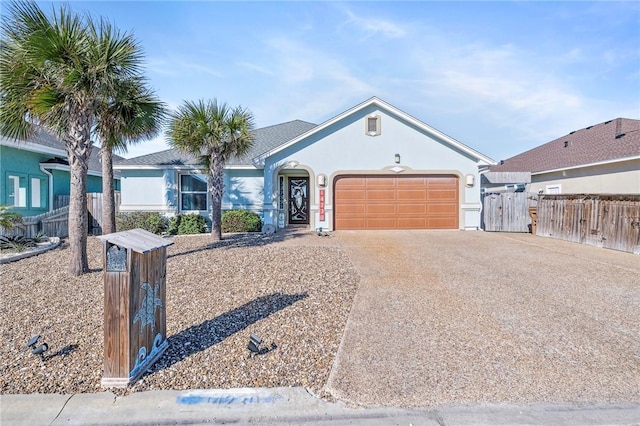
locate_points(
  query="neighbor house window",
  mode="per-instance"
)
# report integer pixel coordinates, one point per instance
(372, 127)
(16, 191)
(38, 193)
(193, 192)
(554, 189)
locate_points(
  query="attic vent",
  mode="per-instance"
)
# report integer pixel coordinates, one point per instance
(589, 127)
(372, 125)
(620, 135)
(566, 144)
(572, 132)
(607, 122)
(501, 162)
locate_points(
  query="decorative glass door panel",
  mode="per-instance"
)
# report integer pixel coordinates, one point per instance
(299, 200)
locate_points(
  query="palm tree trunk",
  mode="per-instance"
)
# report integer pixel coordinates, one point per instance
(108, 199)
(215, 182)
(78, 146)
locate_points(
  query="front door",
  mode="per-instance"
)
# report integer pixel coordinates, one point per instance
(299, 200)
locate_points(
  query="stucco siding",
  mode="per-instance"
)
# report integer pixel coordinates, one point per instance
(344, 148)
(617, 178)
(243, 189)
(142, 190)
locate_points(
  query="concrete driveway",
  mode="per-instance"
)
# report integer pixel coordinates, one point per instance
(450, 317)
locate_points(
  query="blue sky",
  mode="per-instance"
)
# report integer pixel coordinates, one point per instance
(501, 77)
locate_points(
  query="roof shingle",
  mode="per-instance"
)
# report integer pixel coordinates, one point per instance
(266, 138)
(611, 140)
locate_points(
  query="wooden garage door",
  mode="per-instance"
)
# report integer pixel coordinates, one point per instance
(396, 202)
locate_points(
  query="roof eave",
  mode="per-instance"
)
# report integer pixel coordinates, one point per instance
(480, 158)
(581, 166)
(32, 147)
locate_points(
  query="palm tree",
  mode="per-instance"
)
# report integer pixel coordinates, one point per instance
(214, 133)
(57, 72)
(132, 115)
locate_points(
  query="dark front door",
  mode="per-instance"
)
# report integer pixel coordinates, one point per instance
(299, 200)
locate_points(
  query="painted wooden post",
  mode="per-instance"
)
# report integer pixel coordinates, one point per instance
(135, 331)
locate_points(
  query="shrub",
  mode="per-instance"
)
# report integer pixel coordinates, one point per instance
(16, 243)
(192, 223)
(40, 237)
(174, 224)
(151, 221)
(241, 221)
(9, 219)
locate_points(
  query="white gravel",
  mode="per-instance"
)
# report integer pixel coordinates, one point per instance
(294, 290)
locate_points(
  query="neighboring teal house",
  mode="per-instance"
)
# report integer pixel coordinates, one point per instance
(34, 172)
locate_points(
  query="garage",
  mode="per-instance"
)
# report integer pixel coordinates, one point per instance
(396, 202)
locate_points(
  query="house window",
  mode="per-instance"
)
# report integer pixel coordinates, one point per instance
(281, 192)
(554, 189)
(372, 126)
(38, 193)
(193, 192)
(16, 191)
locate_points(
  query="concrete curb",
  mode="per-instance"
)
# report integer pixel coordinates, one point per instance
(55, 242)
(284, 406)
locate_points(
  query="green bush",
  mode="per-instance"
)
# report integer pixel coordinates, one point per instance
(174, 224)
(151, 221)
(192, 223)
(16, 243)
(241, 221)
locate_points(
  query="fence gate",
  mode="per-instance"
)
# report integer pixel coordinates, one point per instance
(507, 211)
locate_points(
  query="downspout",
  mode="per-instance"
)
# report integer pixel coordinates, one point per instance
(48, 173)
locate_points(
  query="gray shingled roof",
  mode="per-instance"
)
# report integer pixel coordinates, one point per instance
(611, 140)
(266, 138)
(45, 138)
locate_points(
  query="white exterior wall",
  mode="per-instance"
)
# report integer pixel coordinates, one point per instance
(344, 148)
(142, 190)
(617, 178)
(243, 189)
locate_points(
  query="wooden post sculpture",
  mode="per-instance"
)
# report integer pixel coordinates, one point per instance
(135, 330)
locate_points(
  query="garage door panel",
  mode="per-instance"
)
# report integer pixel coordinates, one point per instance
(377, 209)
(442, 194)
(412, 223)
(440, 181)
(353, 209)
(396, 202)
(350, 194)
(412, 194)
(380, 182)
(442, 209)
(441, 223)
(412, 209)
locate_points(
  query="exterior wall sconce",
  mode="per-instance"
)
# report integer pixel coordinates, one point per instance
(322, 180)
(397, 158)
(470, 180)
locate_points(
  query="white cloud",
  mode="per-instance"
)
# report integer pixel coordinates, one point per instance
(371, 26)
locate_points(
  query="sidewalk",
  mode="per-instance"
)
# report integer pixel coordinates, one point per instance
(283, 406)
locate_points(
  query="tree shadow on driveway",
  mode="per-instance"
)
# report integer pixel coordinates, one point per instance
(208, 333)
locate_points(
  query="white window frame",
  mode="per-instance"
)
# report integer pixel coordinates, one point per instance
(374, 130)
(181, 192)
(19, 192)
(553, 189)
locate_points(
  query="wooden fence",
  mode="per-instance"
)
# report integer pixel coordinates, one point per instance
(507, 211)
(94, 206)
(609, 221)
(56, 222)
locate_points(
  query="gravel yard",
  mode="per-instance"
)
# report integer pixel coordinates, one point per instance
(293, 289)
